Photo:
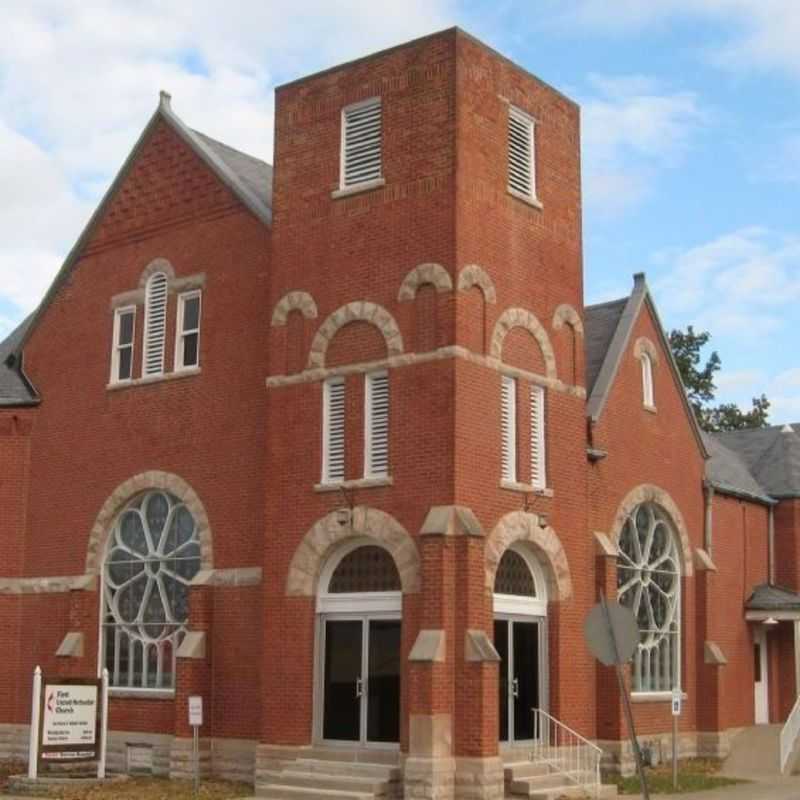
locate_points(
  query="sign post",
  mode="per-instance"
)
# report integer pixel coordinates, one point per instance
(36, 707)
(676, 712)
(196, 720)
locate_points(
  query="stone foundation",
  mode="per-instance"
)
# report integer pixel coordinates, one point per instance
(428, 778)
(480, 779)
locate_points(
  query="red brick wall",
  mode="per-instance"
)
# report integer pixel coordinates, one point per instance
(787, 544)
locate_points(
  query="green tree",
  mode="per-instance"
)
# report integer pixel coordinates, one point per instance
(698, 378)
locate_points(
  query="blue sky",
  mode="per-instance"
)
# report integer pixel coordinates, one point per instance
(690, 117)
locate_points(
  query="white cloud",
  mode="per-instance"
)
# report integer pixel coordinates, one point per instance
(632, 128)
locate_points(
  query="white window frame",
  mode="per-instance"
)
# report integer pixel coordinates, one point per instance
(538, 398)
(530, 124)
(180, 333)
(148, 321)
(326, 430)
(116, 347)
(369, 444)
(508, 436)
(648, 394)
(372, 181)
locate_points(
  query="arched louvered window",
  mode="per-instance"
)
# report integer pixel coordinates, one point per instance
(155, 324)
(648, 396)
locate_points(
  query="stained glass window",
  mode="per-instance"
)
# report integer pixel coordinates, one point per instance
(366, 569)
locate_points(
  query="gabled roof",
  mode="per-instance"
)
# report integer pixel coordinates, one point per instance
(769, 597)
(772, 455)
(248, 178)
(727, 472)
(608, 331)
(14, 388)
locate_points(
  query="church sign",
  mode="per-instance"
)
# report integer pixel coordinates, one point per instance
(70, 719)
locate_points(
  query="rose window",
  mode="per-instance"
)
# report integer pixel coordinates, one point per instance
(153, 554)
(648, 582)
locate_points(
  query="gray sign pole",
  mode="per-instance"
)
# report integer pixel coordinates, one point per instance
(637, 753)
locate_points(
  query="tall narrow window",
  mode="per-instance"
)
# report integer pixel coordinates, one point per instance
(122, 353)
(333, 413)
(508, 429)
(647, 381)
(187, 344)
(376, 425)
(361, 143)
(155, 324)
(538, 471)
(521, 154)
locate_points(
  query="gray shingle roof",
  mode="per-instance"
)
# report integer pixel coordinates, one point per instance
(772, 455)
(600, 322)
(727, 472)
(768, 597)
(14, 389)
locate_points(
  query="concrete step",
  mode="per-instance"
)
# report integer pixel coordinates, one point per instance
(346, 783)
(278, 791)
(525, 769)
(607, 792)
(387, 772)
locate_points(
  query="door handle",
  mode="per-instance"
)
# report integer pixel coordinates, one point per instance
(515, 687)
(359, 687)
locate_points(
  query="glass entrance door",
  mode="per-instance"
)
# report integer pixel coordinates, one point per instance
(361, 685)
(518, 642)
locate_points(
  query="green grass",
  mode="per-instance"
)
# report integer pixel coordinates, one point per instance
(694, 775)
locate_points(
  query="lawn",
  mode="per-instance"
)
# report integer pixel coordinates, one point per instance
(694, 775)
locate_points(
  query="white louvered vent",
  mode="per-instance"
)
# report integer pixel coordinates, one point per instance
(333, 431)
(538, 476)
(508, 429)
(521, 165)
(361, 143)
(155, 324)
(376, 434)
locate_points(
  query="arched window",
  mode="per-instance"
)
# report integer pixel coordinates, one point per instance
(519, 586)
(155, 324)
(514, 576)
(153, 553)
(647, 381)
(649, 583)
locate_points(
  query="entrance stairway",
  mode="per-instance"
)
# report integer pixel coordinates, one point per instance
(331, 779)
(545, 781)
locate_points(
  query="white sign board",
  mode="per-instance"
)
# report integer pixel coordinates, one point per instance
(69, 716)
(196, 710)
(677, 699)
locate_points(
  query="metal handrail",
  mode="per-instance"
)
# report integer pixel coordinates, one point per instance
(789, 734)
(566, 751)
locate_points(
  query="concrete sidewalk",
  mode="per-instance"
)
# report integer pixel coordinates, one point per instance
(764, 789)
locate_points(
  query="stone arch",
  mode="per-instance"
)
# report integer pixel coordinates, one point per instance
(566, 315)
(154, 479)
(156, 265)
(521, 526)
(648, 493)
(294, 301)
(434, 274)
(364, 311)
(333, 529)
(521, 318)
(473, 275)
(644, 345)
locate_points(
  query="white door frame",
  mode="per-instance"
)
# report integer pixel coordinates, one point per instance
(761, 688)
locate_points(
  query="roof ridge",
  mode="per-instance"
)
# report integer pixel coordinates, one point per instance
(607, 303)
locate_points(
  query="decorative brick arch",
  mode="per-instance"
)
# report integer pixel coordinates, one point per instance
(521, 318)
(359, 311)
(521, 526)
(294, 301)
(644, 345)
(435, 274)
(473, 275)
(142, 482)
(648, 493)
(156, 265)
(330, 531)
(566, 315)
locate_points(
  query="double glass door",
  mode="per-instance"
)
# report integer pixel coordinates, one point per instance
(361, 683)
(521, 685)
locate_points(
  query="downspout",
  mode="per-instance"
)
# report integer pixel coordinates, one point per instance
(708, 538)
(771, 545)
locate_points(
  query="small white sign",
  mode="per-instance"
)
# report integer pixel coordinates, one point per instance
(195, 710)
(677, 700)
(70, 715)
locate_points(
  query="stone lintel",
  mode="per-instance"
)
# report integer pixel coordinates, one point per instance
(429, 646)
(478, 647)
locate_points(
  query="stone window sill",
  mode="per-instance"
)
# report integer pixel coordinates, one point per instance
(535, 202)
(525, 488)
(167, 376)
(367, 186)
(654, 697)
(360, 483)
(140, 694)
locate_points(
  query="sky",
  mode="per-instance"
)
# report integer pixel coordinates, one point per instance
(690, 134)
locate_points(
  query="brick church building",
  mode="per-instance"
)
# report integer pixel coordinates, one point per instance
(336, 444)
